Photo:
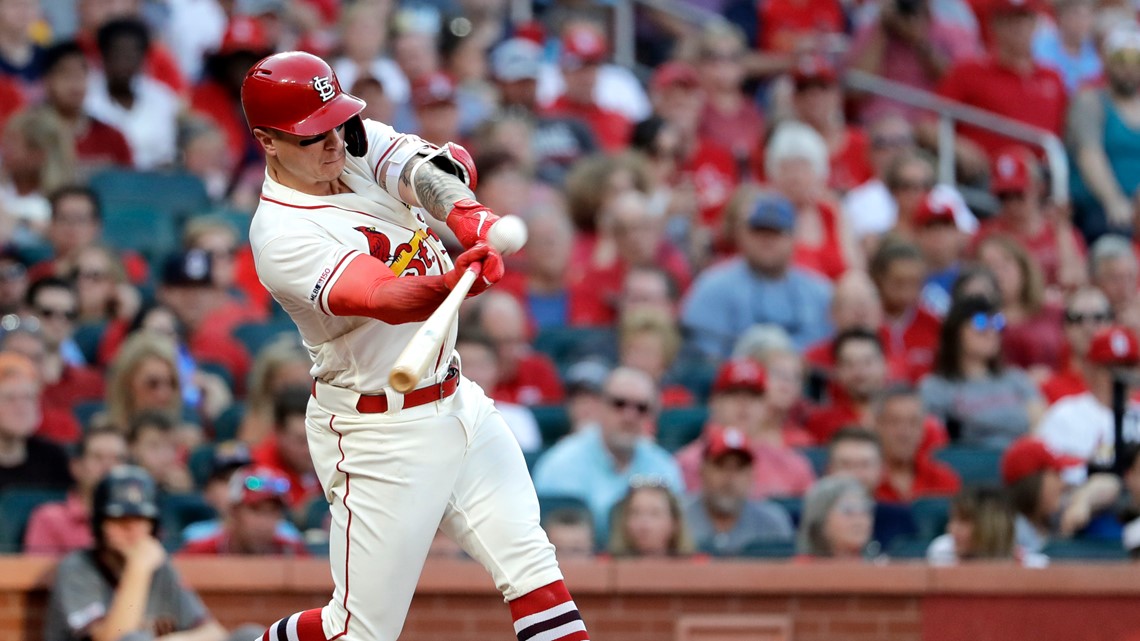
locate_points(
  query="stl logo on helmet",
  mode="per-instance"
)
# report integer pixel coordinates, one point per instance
(324, 87)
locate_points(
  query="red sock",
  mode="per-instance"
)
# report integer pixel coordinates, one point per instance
(302, 626)
(548, 614)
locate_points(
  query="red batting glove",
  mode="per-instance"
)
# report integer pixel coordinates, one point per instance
(484, 260)
(470, 222)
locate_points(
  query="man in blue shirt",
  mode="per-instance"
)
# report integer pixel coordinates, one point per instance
(759, 286)
(597, 463)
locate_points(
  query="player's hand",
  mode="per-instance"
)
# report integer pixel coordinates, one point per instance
(470, 222)
(484, 261)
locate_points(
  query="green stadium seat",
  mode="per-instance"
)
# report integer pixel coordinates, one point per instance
(677, 427)
(171, 195)
(818, 458)
(794, 505)
(16, 507)
(567, 345)
(553, 422)
(908, 548)
(141, 230)
(227, 424)
(176, 511)
(531, 458)
(87, 337)
(976, 466)
(930, 515)
(201, 463)
(697, 376)
(238, 219)
(770, 550)
(553, 503)
(316, 515)
(86, 411)
(219, 370)
(1085, 549)
(255, 336)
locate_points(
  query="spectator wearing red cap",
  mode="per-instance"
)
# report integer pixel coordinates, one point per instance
(436, 110)
(740, 399)
(899, 272)
(1033, 338)
(1032, 475)
(792, 26)
(257, 506)
(1052, 242)
(617, 88)
(1086, 312)
(217, 97)
(1007, 82)
(1082, 425)
(818, 101)
(943, 247)
(730, 118)
(908, 44)
(909, 471)
(1105, 132)
(722, 519)
(584, 49)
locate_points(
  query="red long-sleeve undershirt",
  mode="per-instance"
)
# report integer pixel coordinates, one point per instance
(367, 287)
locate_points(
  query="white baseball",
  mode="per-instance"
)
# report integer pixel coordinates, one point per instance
(508, 234)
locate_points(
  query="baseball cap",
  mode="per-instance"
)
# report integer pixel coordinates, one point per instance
(772, 212)
(189, 268)
(675, 74)
(1122, 39)
(721, 441)
(1012, 170)
(1114, 347)
(516, 59)
(229, 456)
(433, 89)
(588, 376)
(256, 484)
(1027, 456)
(583, 45)
(244, 35)
(815, 69)
(932, 211)
(1011, 7)
(740, 374)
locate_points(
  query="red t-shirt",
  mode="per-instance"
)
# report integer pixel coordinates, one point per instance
(851, 162)
(826, 420)
(776, 470)
(820, 357)
(1035, 98)
(535, 382)
(302, 487)
(738, 132)
(610, 128)
(1068, 381)
(76, 385)
(59, 425)
(211, 100)
(931, 478)
(212, 345)
(594, 294)
(246, 280)
(826, 258)
(134, 266)
(101, 144)
(1041, 246)
(784, 22)
(915, 342)
(159, 64)
(713, 172)
(220, 544)
(1036, 341)
(11, 99)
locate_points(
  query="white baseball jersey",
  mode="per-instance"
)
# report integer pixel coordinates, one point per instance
(301, 244)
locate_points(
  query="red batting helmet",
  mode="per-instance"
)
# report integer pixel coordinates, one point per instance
(298, 93)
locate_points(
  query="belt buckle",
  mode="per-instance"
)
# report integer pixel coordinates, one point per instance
(452, 372)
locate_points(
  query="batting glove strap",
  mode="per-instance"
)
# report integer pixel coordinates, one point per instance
(470, 222)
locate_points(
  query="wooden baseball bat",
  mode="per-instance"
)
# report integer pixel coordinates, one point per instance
(422, 349)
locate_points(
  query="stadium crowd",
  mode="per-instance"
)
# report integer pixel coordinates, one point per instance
(750, 321)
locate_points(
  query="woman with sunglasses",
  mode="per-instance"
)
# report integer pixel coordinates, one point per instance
(982, 402)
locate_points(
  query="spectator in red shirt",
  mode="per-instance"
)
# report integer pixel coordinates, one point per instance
(855, 304)
(584, 49)
(790, 26)
(434, 102)
(285, 452)
(818, 101)
(231, 263)
(649, 340)
(730, 118)
(1086, 311)
(1033, 337)
(65, 87)
(1007, 82)
(160, 64)
(909, 472)
(860, 374)
(795, 161)
(65, 384)
(913, 333)
(257, 506)
(528, 377)
(106, 295)
(11, 99)
(61, 527)
(76, 224)
(1051, 240)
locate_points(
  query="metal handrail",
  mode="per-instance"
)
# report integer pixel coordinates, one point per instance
(624, 23)
(950, 112)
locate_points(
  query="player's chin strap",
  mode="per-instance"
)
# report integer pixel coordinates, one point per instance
(453, 159)
(355, 138)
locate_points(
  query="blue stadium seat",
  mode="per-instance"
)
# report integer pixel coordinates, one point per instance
(553, 503)
(976, 466)
(697, 376)
(255, 336)
(531, 458)
(794, 505)
(238, 219)
(553, 422)
(86, 411)
(908, 548)
(567, 345)
(818, 457)
(677, 427)
(227, 423)
(16, 507)
(316, 515)
(87, 338)
(770, 550)
(930, 515)
(176, 511)
(1085, 549)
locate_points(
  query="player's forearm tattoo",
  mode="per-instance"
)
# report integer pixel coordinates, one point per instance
(436, 190)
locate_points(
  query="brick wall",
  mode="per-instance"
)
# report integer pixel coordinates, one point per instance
(649, 601)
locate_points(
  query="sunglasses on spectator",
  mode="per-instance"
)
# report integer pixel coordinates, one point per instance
(983, 322)
(49, 312)
(1080, 318)
(257, 483)
(158, 382)
(641, 407)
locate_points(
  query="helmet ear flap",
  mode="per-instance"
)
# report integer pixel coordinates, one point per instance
(355, 138)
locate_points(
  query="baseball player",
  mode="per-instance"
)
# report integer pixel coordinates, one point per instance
(341, 241)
